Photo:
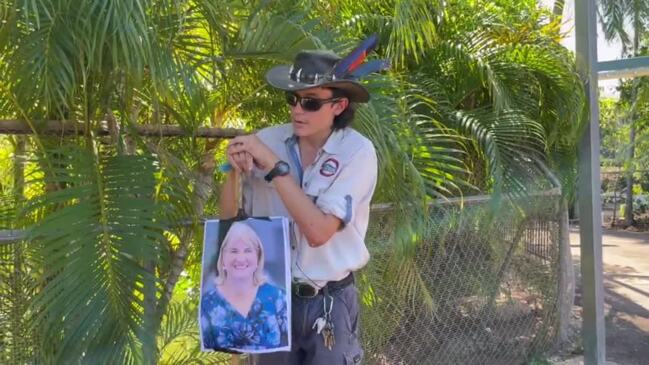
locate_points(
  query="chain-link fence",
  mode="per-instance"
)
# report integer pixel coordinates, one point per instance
(16, 341)
(481, 287)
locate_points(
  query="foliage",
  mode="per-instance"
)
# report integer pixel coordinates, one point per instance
(478, 91)
(616, 18)
(112, 230)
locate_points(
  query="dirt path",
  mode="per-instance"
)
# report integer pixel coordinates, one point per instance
(626, 286)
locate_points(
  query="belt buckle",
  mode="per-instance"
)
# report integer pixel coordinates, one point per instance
(304, 290)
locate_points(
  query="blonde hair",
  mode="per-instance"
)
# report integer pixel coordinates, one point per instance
(247, 234)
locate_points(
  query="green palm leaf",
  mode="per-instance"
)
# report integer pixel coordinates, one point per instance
(46, 54)
(612, 13)
(509, 140)
(414, 29)
(616, 15)
(92, 238)
(179, 339)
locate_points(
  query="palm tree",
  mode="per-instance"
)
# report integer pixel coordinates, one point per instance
(474, 96)
(615, 17)
(107, 210)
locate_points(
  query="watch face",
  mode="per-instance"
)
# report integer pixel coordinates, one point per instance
(281, 168)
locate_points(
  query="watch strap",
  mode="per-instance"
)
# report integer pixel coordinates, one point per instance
(281, 168)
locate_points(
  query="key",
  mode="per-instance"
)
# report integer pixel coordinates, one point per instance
(328, 336)
(327, 330)
(319, 324)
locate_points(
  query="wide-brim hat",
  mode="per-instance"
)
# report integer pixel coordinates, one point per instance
(316, 69)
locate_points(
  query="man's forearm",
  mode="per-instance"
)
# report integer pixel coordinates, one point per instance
(316, 226)
(228, 199)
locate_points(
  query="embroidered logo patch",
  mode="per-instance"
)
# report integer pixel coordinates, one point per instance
(329, 167)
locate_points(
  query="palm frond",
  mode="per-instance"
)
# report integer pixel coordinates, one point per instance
(509, 141)
(180, 34)
(100, 227)
(43, 60)
(613, 15)
(179, 342)
(413, 30)
(122, 26)
(418, 157)
(8, 20)
(190, 104)
(399, 182)
(274, 37)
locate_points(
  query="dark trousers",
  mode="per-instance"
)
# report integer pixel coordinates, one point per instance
(307, 347)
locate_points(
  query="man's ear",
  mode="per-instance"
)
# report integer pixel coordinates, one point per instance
(340, 106)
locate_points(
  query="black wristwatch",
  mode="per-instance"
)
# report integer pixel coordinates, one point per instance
(281, 168)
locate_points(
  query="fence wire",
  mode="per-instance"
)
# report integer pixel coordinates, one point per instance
(16, 340)
(481, 287)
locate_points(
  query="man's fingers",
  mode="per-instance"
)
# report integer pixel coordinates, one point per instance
(245, 161)
(236, 148)
(257, 153)
(242, 161)
(233, 163)
(249, 162)
(237, 161)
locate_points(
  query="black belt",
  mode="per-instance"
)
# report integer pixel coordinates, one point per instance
(304, 290)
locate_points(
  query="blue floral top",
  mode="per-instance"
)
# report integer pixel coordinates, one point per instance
(265, 327)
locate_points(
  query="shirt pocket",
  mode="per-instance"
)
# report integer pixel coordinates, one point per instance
(316, 186)
(325, 175)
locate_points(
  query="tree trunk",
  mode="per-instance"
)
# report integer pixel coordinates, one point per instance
(566, 278)
(202, 190)
(628, 212)
(615, 184)
(19, 168)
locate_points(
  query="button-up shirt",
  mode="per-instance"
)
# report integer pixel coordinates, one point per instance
(340, 182)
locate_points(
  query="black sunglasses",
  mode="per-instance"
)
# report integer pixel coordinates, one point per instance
(308, 104)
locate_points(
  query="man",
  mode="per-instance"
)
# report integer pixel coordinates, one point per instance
(322, 174)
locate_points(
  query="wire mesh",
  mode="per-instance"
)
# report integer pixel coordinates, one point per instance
(481, 287)
(16, 340)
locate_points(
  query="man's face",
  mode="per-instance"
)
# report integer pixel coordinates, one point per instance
(316, 124)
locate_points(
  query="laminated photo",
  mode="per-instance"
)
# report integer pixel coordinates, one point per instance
(245, 286)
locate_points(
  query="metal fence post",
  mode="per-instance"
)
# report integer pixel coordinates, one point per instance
(589, 189)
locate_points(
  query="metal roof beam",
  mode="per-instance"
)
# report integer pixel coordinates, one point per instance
(626, 68)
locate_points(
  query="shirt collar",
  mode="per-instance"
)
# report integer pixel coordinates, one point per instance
(290, 140)
(334, 142)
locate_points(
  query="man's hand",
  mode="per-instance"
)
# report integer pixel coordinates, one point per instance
(243, 151)
(240, 161)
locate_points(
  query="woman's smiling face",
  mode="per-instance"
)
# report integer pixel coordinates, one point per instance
(240, 259)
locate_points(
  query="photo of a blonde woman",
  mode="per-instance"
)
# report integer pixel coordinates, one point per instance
(244, 303)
